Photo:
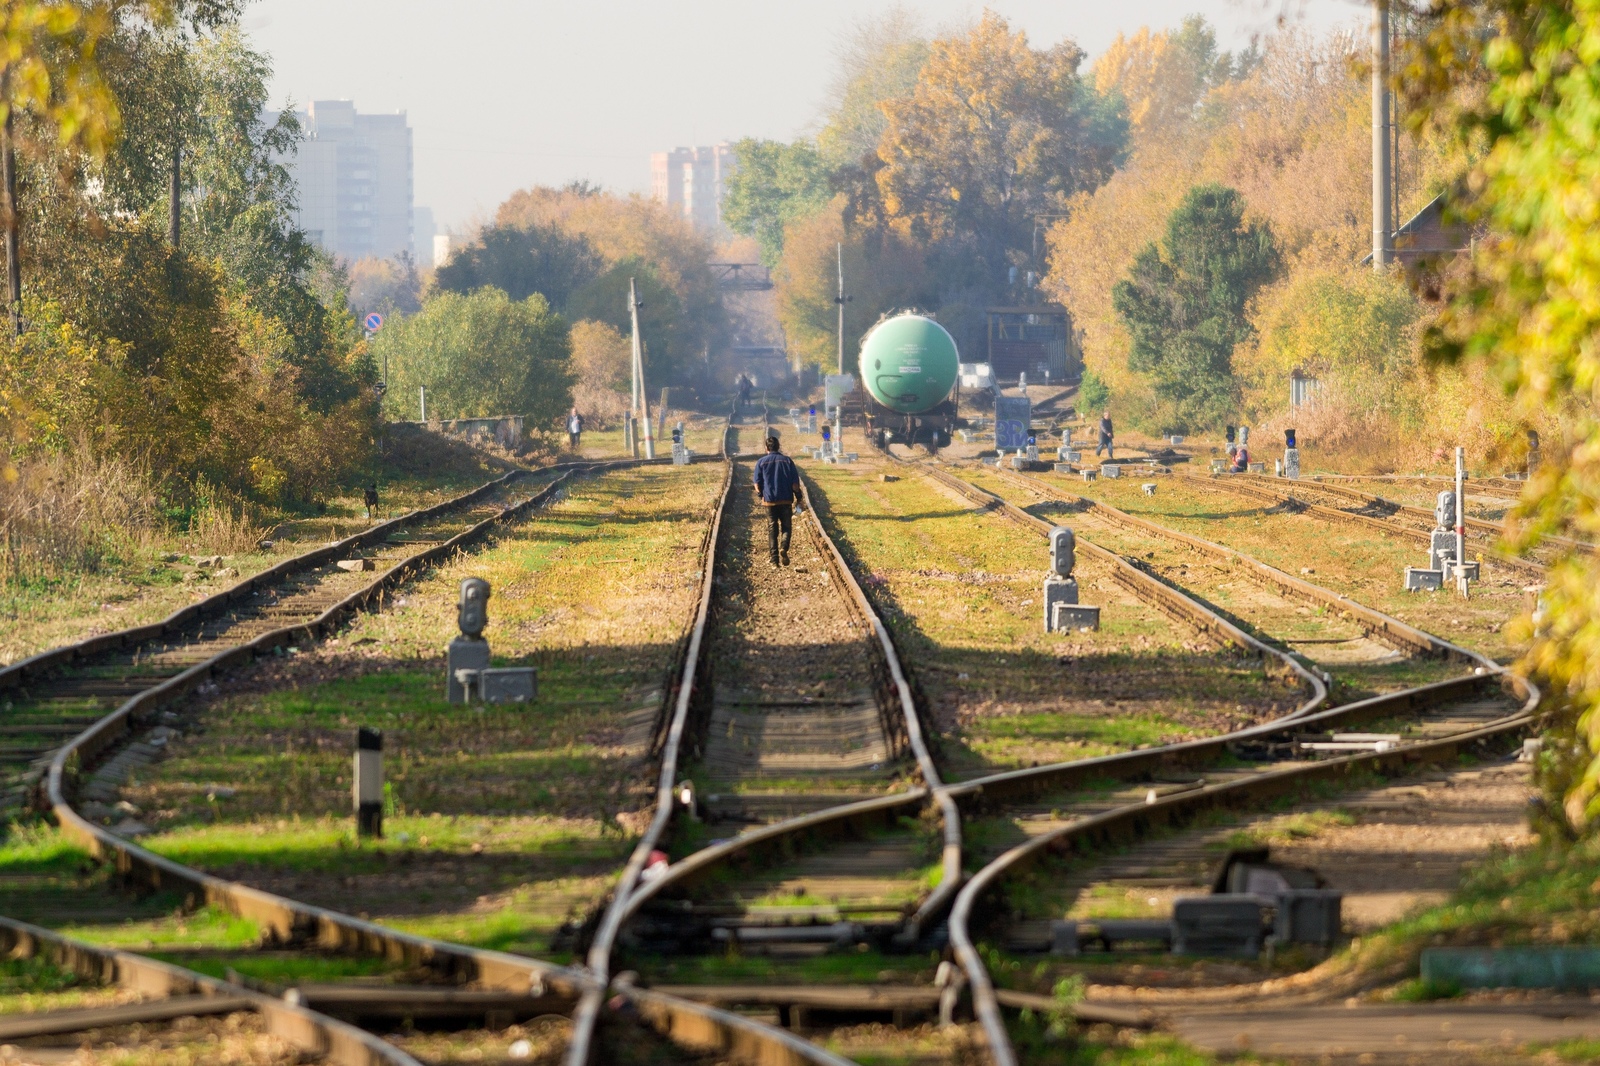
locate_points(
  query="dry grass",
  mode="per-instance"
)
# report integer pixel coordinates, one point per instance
(74, 513)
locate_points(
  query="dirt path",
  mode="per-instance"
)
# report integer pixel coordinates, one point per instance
(794, 710)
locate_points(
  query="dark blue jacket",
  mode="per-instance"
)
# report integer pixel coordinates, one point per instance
(777, 478)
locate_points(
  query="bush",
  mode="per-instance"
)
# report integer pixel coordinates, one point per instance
(480, 355)
(1092, 394)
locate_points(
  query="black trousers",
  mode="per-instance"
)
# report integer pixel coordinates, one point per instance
(780, 524)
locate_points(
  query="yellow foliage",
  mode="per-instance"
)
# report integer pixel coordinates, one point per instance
(1160, 81)
(1293, 137)
(602, 360)
(880, 269)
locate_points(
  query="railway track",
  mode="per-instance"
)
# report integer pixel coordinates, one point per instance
(881, 709)
(664, 906)
(137, 672)
(1432, 723)
(1377, 513)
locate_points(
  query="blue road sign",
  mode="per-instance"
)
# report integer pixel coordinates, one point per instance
(1011, 421)
(373, 322)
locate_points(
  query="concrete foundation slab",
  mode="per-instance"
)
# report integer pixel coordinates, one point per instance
(1419, 580)
(1217, 925)
(1308, 916)
(1111, 469)
(515, 684)
(464, 653)
(1066, 618)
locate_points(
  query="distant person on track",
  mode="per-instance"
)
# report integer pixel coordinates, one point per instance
(1241, 460)
(574, 428)
(1107, 435)
(745, 385)
(778, 481)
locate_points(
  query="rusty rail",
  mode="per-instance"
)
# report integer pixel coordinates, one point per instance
(330, 1040)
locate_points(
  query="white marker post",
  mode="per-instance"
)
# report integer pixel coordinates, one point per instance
(368, 789)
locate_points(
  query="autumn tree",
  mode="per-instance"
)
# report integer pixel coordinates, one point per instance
(883, 272)
(877, 60)
(639, 238)
(1162, 76)
(772, 185)
(520, 261)
(1184, 299)
(994, 134)
(1526, 309)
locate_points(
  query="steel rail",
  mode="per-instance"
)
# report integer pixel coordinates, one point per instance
(1382, 626)
(1272, 494)
(291, 920)
(631, 895)
(1484, 526)
(1138, 816)
(329, 1039)
(285, 919)
(580, 1047)
(1143, 584)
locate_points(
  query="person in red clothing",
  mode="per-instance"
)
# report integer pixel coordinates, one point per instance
(778, 481)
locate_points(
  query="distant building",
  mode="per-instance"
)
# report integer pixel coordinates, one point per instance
(353, 172)
(443, 245)
(423, 230)
(692, 181)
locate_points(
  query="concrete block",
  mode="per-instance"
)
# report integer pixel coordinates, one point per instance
(1256, 468)
(1063, 468)
(1441, 549)
(1149, 488)
(1058, 592)
(1175, 438)
(1067, 617)
(463, 654)
(1218, 466)
(1291, 463)
(1453, 569)
(964, 436)
(1063, 937)
(1217, 925)
(1308, 916)
(1074, 456)
(1111, 469)
(1419, 580)
(1124, 930)
(1090, 475)
(515, 684)
(1017, 462)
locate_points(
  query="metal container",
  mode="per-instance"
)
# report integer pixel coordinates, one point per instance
(909, 363)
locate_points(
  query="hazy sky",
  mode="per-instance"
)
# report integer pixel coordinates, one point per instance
(502, 94)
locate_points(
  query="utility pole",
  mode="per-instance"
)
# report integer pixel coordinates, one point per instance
(1382, 236)
(641, 397)
(175, 195)
(841, 300)
(12, 216)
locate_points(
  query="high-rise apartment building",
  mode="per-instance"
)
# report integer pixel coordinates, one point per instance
(353, 174)
(692, 181)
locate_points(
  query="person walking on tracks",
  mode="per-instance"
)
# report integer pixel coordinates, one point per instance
(574, 427)
(1107, 435)
(745, 384)
(778, 481)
